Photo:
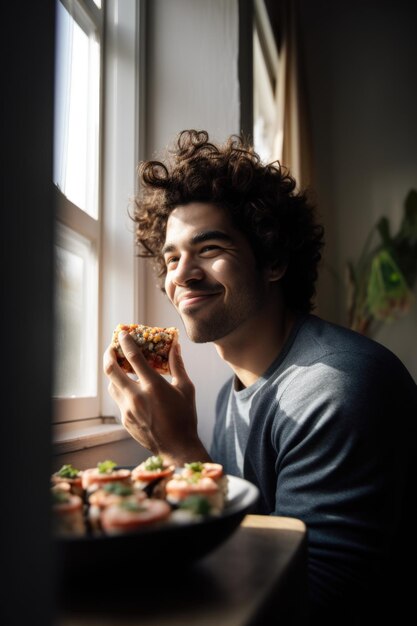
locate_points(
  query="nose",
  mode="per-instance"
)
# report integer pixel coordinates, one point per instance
(187, 270)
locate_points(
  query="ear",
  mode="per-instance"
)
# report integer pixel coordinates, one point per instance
(275, 272)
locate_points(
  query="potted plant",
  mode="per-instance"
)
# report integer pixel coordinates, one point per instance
(380, 284)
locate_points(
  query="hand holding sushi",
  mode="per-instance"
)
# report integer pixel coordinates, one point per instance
(159, 414)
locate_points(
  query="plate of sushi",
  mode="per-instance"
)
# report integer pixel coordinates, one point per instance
(116, 516)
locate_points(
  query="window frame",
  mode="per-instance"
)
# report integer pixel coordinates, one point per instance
(64, 409)
(122, 78)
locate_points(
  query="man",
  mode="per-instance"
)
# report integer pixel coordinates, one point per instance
(318, 417)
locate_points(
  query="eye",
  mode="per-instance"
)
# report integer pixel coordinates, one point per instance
(210, 248)
(171, 260)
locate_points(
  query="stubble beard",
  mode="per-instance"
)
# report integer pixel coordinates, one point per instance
(223, 321)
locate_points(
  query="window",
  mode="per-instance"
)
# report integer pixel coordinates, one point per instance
(96, 139)
(77, 106)
(79, 28)
(265, 64)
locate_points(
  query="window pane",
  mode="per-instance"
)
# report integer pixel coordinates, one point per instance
(75, 305)
(77, 83)
(264, 107)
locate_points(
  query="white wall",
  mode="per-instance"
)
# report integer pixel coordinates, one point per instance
(192, 82)
(361, 62)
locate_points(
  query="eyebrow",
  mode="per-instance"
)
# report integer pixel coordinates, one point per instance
(205, 235)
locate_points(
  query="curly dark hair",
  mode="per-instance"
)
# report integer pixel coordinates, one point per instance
(278, 222)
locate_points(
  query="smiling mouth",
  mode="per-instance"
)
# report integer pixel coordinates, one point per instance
(195, 300)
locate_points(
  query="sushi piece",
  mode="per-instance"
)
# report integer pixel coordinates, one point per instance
(155, 343)
(67, 514)
(105, 472)
(180, 487)
(114, 493)
(152, 475)
(212, 470)
(131, 516)
(110, 494)
(207, 470)
(71, 476)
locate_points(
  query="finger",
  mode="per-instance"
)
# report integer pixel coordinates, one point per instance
(134, 355)
(119, 398)
(179, 374)
(116, 394)
(109, 361)
(114, 372)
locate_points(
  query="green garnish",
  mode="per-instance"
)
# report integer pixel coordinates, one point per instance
(194, 478)
(196, 466)
(133, 507)
(119, 489)
(67, 471)
(196, 504)
(154, 463)
(106, 467)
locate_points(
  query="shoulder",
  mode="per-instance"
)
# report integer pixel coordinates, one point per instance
(332, 373)
(319, 342)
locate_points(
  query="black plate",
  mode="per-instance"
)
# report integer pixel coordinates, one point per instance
(92, 556)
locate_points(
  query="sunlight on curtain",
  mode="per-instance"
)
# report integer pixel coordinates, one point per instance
(292, 143)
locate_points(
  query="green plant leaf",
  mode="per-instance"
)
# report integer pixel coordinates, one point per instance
(388, 295)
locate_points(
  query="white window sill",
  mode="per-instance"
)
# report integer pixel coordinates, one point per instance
(75, 436)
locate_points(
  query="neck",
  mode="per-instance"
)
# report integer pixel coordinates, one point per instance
(251, 349)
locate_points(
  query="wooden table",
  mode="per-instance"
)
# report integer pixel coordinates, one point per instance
(257, 577)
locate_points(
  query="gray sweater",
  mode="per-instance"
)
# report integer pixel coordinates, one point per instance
(326, 436)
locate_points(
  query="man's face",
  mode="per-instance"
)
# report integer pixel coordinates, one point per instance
(212, 278)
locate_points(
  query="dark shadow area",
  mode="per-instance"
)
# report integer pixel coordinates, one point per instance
(27, 247)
